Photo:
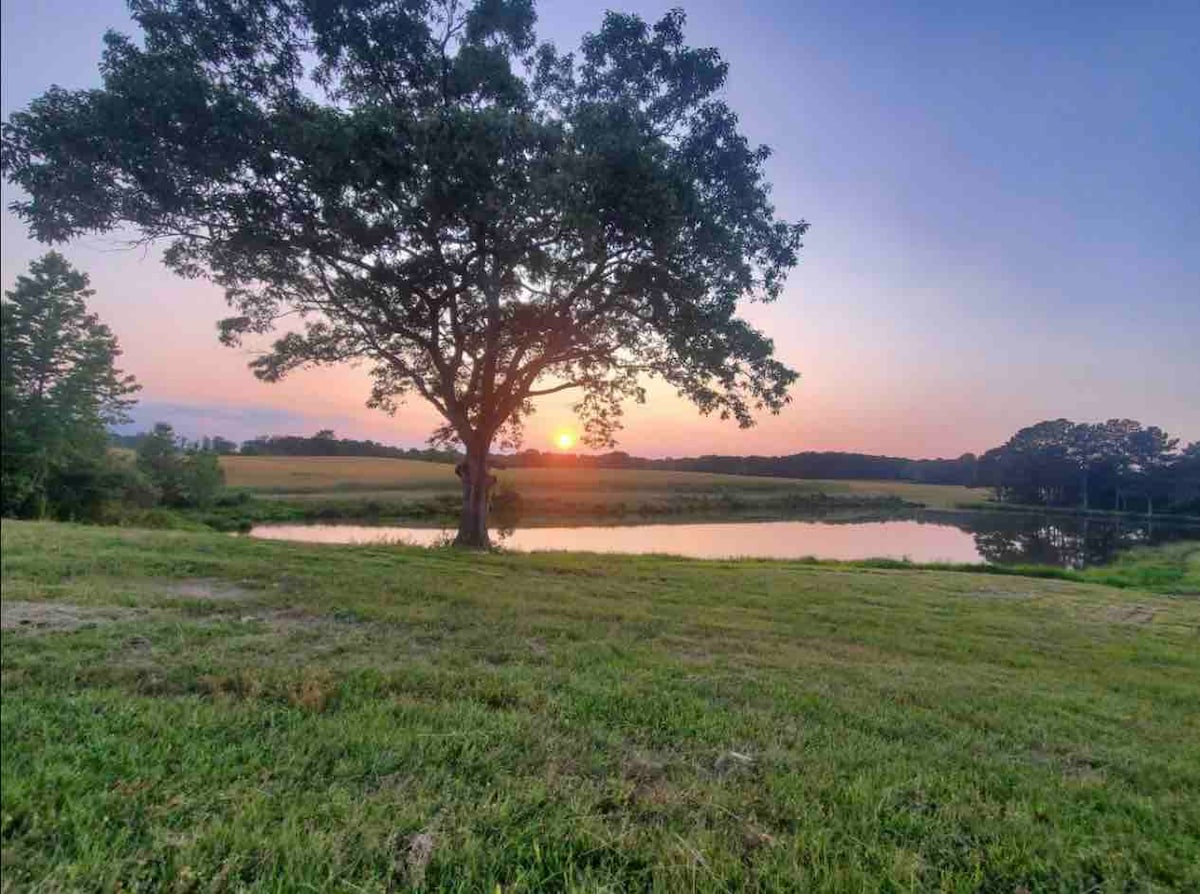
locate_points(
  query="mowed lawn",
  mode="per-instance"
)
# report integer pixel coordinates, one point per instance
(381, 477)
(188, 711)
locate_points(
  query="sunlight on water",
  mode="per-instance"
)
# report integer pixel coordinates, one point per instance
(920, 542)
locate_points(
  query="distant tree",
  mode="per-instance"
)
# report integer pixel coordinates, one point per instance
(1088, 447)
(61, 388)
(1149, 454)
(480, 218)
(1035, 465)
(203, 477)
(128, 441)
(254, 446)
(1116, 447)
(1182, 479)
(158, 459)
(325, 443)
(223, 446)
(184, 477)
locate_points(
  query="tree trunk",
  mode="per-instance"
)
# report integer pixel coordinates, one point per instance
(476, 491)
(1084, 483)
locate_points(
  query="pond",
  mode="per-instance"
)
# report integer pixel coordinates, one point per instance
(993, 537)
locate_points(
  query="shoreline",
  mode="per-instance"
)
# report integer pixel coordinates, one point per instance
(834, 509)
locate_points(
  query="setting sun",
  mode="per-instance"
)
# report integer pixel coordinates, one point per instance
(564, 440)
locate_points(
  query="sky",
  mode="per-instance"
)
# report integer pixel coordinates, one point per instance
(1004, 202)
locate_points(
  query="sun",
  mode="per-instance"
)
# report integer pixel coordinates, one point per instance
(564, 440)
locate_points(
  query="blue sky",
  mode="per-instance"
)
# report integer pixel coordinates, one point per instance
(1004, 199)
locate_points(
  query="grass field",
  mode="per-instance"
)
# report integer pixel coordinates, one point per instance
(189, 711)
(318, 477)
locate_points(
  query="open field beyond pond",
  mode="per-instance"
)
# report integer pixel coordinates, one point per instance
(370, 478)
(193, 711)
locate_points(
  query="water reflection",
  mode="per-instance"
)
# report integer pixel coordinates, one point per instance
(1064, 541)
(998, 538)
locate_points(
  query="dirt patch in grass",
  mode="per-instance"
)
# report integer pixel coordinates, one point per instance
(208, 590)
(412, 859)
(1130, 614)
(291, 620)
(47, 617)
(1001, 592)
(58, 616)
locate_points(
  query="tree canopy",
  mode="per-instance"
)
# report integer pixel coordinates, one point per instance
(61, 388)
(423, 186)
(1060, 462)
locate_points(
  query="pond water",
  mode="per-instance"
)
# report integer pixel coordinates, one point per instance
(1000, 538)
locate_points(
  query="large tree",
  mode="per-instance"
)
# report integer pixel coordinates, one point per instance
(422, 186)
(61, 389)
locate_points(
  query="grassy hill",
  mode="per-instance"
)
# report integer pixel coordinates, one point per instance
(198, 712)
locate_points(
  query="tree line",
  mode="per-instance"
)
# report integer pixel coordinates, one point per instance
(1114, 465)
(1117, 465)
(324, 443)
(799, 465)
(810, 464)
